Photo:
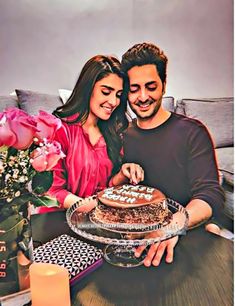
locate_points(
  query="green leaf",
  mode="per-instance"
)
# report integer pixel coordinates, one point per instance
(42, 181)
(44, 201)
(24, 198)
(35, 199)
(3, 148)
(11, 152)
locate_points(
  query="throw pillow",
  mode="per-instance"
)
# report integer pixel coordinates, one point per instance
(32, 101)
(168, 104)
(7, 101)
(225, 163)
(217, 117)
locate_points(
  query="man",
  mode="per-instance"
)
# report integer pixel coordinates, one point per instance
(176, 152)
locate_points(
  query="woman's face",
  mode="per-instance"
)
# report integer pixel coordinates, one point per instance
(106, 96)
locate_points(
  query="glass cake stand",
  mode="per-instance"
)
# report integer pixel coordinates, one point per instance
(122, 239)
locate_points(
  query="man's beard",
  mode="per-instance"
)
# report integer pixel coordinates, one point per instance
(142, 116)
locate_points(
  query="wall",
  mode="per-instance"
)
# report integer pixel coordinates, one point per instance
(44, 44)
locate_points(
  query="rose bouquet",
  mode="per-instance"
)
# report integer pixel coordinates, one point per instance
(28, 152)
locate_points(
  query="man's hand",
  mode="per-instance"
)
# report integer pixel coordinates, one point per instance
(157, 250)
(129, 172)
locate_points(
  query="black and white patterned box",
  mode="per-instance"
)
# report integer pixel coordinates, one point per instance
(78, 257)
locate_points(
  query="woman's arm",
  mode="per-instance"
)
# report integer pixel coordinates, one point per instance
(86, 205)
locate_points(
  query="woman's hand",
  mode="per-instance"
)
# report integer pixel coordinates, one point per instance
(129, 172)
(133, 172)
(87, 204)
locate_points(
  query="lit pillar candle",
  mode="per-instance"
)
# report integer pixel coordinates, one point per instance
(49, 284)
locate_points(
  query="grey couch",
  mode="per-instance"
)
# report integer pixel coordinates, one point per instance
(215, 113)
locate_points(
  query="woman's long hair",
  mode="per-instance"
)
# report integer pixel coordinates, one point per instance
(78, 103)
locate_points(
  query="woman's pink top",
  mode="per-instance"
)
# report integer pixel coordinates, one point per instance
(86, 167)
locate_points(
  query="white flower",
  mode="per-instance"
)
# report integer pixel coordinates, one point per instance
(7, 177)
(22, 179)
(3, 120)
(1, 167)
(29, 186)
(17, 194)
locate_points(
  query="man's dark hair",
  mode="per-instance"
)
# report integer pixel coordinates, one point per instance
(144, 54)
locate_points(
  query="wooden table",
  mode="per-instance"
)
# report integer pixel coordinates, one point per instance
(201, 275)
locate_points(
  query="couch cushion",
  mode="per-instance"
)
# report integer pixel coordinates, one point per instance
(32, 101)
(216, 114)
(229, 204)
(225, 163)
(180, 104)
(7, 101)
(168, 104)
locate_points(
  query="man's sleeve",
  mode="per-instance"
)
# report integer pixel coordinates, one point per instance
(202, 169)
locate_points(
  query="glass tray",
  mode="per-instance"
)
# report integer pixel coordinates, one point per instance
(122, 240)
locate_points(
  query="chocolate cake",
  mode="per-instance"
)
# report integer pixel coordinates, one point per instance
(156, 213)
(131, 208)
(127, 196)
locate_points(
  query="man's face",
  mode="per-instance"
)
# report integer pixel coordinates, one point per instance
(146, 91)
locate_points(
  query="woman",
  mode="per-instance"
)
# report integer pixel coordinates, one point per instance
(93, 120)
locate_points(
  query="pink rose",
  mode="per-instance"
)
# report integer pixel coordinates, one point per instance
(7, 137)
(46, 157)
(17, 128)
(47, 125)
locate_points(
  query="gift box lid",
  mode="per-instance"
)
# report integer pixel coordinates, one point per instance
(78, 257)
